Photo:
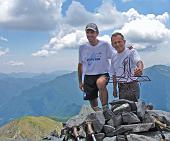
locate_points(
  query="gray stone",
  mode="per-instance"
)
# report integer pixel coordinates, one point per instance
(107, 129)
(79, 119)
(141, 108)
(97, 120)
(130, 118)
(121, 138)
(122, 108)
(110, 138)
(99, 136)
(108, 114)
(119, 131)
(135, 128)
(115, 121)
(135, 137)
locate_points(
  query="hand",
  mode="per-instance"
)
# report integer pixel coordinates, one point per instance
(115, 93)
(130, 47)
(138, 72)
(81, 86)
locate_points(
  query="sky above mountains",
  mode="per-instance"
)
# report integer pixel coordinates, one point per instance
(44, 35)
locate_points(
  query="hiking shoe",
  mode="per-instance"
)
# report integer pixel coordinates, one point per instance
(108, 114)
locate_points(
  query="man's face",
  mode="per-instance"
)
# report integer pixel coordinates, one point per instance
(91, 35)
(118, 43)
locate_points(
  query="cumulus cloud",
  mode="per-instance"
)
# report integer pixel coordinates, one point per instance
(146, 31)
(15, 63)
(142, 30)
(4, 51)
(43, 53)
(71, 32)
(3, 39)
(30, 14)
(76, 20)
(104, 16)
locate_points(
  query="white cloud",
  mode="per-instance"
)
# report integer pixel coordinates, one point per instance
(30, 14)
(15, 63)
(41, 53)
(70, 40)
(77, 15)
(164, 18)
(105, 38)
(4, 51)
(146, 31)
(3, 39)
(104, 16)
(71, 32)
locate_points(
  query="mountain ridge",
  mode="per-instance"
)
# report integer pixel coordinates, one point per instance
(29, 127)
(62, 97)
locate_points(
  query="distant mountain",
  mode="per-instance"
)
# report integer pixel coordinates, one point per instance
(22, 74)
(60, 97)
(30, 127)
(157, 91)
(13, 84)
(3, 75)
(44, 77)
(30, 75)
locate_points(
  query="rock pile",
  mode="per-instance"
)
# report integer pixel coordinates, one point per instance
(124, 121)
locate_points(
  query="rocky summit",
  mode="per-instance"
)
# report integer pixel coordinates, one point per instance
(123, 121)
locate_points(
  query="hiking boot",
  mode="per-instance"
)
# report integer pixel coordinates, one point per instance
(108, 114)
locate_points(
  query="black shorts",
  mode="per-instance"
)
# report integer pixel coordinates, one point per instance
(90, 87)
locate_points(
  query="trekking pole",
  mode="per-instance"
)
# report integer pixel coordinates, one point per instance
(75, 133)
(160, 124)
(162, 135)
(90, 130)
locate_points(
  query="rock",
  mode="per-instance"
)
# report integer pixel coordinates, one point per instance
(97, 120)
(130, 118)
(99, 136)
(107, 129)
(129, 121)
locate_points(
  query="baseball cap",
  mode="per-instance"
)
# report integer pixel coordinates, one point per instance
(92, 26)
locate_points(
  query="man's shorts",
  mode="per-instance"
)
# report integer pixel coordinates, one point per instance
(90, 87)
(129, 91)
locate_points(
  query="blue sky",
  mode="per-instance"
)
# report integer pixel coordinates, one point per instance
(44, 35)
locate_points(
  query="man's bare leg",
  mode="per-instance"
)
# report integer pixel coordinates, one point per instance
(94, 104)
(103, 92)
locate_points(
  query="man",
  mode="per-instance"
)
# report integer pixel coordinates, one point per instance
(94, 64)
(126, 66)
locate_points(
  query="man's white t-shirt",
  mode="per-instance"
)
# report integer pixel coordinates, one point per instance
(123, 65)
(95, 59)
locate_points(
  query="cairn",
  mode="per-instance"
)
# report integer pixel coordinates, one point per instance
(128, 121)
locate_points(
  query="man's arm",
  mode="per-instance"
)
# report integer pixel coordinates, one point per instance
(139, 69)
(80, 71)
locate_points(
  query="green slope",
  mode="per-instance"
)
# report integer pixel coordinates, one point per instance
(30, 127)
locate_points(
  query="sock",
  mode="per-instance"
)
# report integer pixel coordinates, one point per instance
(96, 108)
(105, 107)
